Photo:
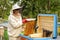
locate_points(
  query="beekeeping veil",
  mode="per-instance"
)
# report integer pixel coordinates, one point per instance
(15, 6)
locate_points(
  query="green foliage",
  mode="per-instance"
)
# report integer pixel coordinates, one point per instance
(6, 37)
(34, 7)
(31, 7)
(5, 7)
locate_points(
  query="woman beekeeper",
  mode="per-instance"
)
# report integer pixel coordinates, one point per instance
(15, 22)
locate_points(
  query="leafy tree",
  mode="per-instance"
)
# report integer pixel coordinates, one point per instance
(5, 6)
(35, 7)
(31, 7)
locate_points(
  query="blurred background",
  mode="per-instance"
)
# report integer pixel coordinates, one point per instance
(34, 7)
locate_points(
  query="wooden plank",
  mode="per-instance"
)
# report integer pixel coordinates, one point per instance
(39, 30)
(45, 24)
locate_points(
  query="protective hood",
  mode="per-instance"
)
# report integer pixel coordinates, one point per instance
(15, 6)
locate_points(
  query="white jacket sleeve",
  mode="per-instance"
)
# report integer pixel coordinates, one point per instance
(14, 23)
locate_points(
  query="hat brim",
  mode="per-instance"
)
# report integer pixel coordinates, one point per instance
(18, 9)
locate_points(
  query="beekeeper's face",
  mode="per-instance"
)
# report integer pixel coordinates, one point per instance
(16, 11)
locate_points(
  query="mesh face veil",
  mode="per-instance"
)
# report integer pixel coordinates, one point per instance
(15, 7)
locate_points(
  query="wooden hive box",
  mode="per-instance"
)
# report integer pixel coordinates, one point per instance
(45, 25)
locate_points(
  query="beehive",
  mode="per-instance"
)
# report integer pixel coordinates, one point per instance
(45, 24)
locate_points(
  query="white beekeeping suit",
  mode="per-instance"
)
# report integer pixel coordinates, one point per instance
(15, 24)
